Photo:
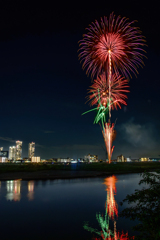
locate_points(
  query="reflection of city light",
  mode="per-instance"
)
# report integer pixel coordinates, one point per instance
(10, 186)
(13, 190)
(30, 194)
(30, 186)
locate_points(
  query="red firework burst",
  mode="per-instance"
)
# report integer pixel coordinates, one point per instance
(99, 91)
(114, 40)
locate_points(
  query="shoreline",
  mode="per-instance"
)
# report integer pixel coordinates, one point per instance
(59, 174)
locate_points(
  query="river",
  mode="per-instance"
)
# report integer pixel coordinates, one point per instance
(65, 209)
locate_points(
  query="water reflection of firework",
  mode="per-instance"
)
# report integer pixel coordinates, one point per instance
(111, 210)
(112, 207)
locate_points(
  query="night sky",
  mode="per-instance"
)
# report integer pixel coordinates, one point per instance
(43, 88)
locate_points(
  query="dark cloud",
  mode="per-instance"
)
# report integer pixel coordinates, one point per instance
(137, 140)
(139, 134)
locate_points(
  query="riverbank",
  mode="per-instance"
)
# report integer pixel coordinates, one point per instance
(59, 171)
(50, 175)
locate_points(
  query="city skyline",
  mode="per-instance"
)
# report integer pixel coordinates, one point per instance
(31, 153)
(44, 89)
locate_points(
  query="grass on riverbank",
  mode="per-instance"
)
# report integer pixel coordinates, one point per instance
(102, 167)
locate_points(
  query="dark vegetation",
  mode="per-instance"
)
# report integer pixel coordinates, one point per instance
(131, 167)
(144, 205)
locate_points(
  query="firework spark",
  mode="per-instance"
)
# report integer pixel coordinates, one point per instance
(113, 43)
(109, 135)
(101, 110)
(99, 90)
(111, 49)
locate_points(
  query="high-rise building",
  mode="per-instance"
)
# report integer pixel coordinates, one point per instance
(12, 153)
(1, 149)
(120, 158)
(91, 158)
(31, 150)
(35, 159)
(18, 150)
